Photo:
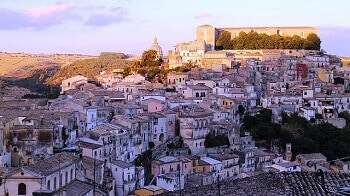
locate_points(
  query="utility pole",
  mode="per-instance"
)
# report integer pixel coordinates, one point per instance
(218, 185)
(94, 174)
(179, 171)
(180, 182)
(59, 172)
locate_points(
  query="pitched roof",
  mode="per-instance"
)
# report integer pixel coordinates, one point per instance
(312, 156)
(88, 145)
(122, 164)
(271, 183)
(221, 157)
(89, 162)
(77, 188)
(198, 87)
(53, 164)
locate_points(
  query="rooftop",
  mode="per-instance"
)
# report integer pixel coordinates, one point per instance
(52, 164)
(313, 156)
(271, 183)
(122, 164)
(211, 161)
(88, 145)
(77, 188)
(221, 157)
(198, 87)
(167, 159)
(89, 163)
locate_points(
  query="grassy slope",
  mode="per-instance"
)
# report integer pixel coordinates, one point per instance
(20, 64)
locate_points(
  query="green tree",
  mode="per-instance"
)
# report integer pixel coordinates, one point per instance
(253, 40)
(313, 42)
(149, 59)
(345, 115)
(215, 141)
(241, 110)
(224, 41)
(152, 73)
(297, 42)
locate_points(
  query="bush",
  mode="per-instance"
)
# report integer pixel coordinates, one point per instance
(215, 141)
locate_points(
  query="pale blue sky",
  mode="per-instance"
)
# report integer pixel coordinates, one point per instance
(94, 26)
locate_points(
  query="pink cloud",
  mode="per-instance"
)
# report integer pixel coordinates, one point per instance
(45, 11)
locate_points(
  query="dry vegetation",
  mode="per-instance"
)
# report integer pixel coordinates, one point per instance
(19, 64)
(345, 60)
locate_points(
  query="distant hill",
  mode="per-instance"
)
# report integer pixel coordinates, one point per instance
(20, 64)
(90, 67)
(42, 73)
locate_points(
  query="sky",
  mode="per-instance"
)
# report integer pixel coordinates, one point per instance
(129, 26)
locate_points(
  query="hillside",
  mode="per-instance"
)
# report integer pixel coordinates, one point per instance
(20, 64)
(345, 60)
(43, 73)
(90, 67)
(35, 81)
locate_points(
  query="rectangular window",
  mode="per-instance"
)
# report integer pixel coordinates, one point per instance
(155, 121)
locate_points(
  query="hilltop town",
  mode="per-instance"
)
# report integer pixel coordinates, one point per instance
(204, 119)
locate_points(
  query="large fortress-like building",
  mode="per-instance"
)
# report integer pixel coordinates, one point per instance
(209, 34)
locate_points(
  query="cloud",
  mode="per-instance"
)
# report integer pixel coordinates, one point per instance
(202, 15)
(47, 11)
(116, 16)
(10, 19)
(36, 18)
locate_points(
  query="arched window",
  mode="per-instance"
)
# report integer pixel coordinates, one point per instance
(48, 184)
(196, 124)
(60, 182)
(66, 177)
(22, 189)
(71, 174)
(54, 183)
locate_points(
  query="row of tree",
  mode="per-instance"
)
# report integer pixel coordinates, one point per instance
(254, 40)
(305, 136)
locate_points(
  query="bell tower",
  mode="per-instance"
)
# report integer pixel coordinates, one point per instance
(288, 155)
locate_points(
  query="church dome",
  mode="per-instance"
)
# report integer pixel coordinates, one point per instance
(157, 48)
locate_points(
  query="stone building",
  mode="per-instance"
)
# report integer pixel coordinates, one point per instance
(73, 83)
(52, 174)
(194, 126)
